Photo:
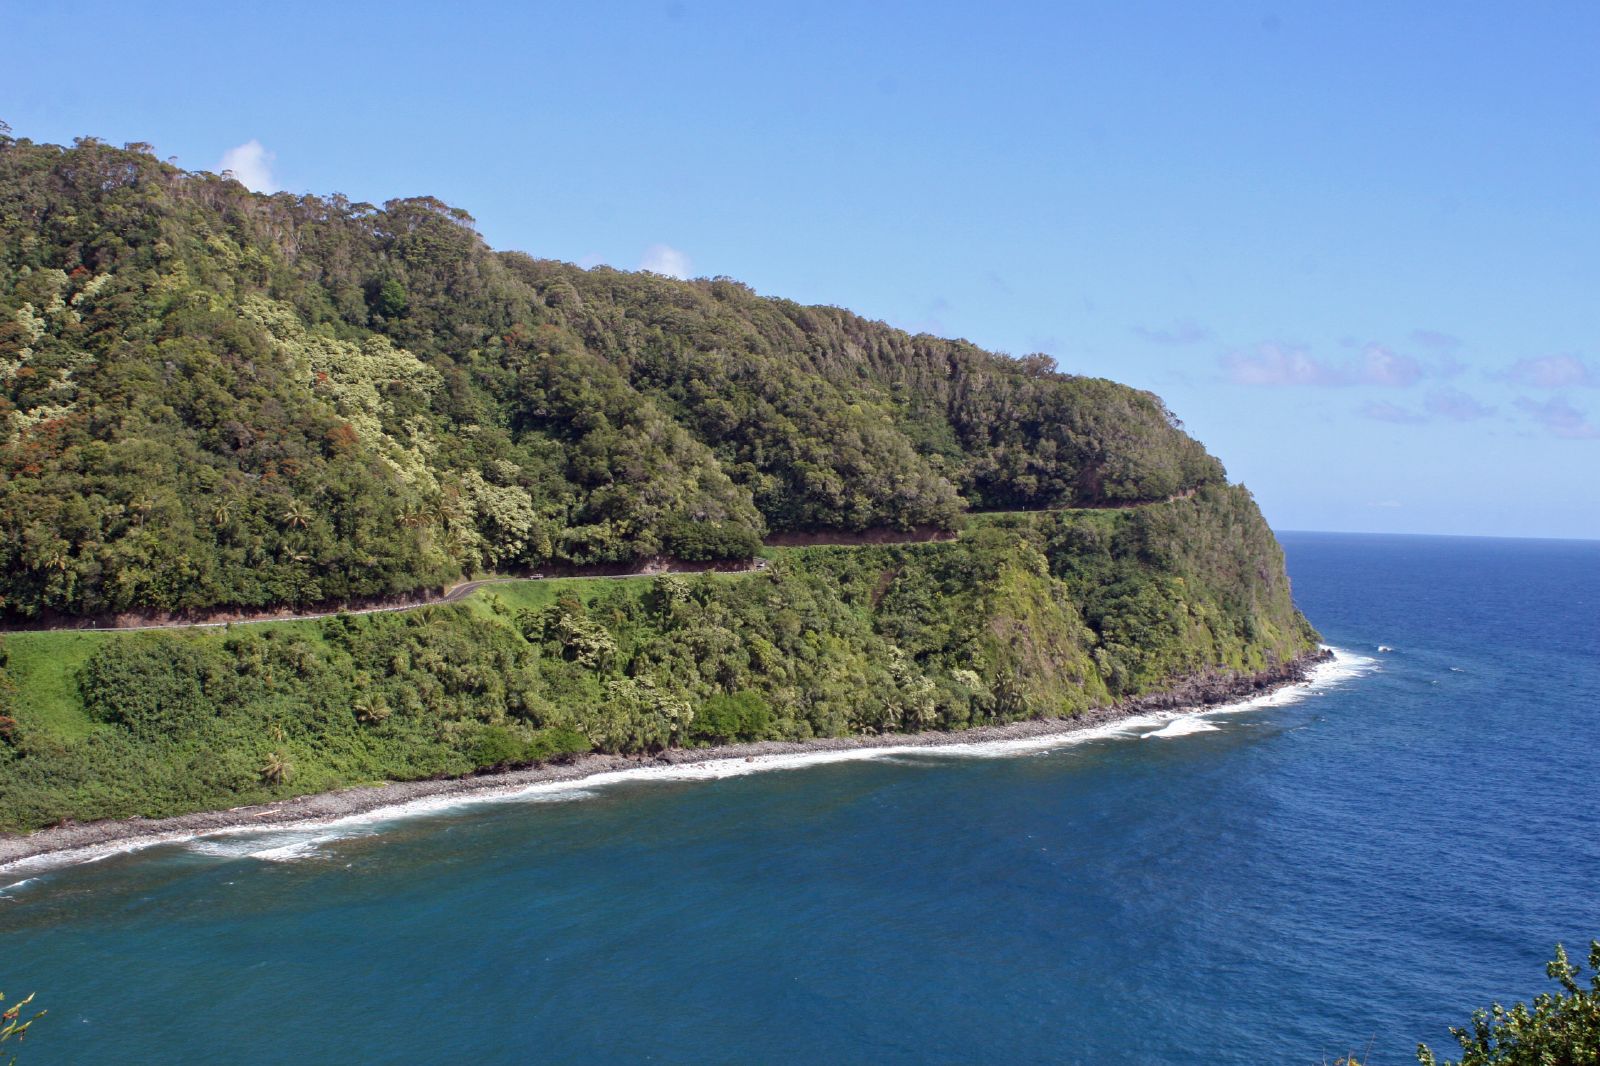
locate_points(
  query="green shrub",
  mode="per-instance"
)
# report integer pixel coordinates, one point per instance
(725, 718)
(556, 744)
(498, 746)
(152, 683)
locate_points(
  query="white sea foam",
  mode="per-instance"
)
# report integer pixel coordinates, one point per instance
(267, 845)
(285, 842)
(5, 890)
(91, 853)
(1182, 727)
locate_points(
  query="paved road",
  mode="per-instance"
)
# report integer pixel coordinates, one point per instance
(455, 594)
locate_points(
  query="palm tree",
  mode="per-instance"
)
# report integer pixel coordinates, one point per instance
(371, 710)
(296, 515)
(277, 769)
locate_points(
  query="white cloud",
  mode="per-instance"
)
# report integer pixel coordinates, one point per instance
(665, 259)
(1278, 364)
(1560, 418)
(251, 165)
(1553, 372)
(1381, 366)
(1453, 403)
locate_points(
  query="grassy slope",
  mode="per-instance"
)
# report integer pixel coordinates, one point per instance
(44, 667)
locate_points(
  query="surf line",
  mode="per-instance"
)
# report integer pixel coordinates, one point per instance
(289, 840)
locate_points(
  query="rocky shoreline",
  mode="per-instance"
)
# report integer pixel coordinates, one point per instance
(1196, 692)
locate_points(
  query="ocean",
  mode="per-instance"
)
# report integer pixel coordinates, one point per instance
(1351, 868)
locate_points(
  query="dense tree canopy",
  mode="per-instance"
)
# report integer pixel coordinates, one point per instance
(1022, 617)
(214, 397)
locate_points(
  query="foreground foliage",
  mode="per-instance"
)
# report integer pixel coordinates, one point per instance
(1560, 1029)
(12, 1027)
(214, 397)
(1028, 616)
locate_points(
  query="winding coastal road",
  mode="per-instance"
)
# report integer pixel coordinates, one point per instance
(218, 619)
(454, 594)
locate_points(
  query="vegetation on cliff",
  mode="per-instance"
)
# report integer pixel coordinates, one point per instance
(1021, 617)
(210, 397)
(213, 397)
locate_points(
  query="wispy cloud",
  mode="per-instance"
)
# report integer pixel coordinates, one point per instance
(996, 281)
(1184, 331)
(1384, 411)
(1382, 366)
(1553, 372)
(1275, 364)
(1452, 404)
(1457, 405)
(1432, 338)
(1560, 418)
(1280, 365)
(665, 259)
(251, 165)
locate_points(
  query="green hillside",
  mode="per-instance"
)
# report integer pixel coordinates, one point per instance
(1021, 617)
(212, 397)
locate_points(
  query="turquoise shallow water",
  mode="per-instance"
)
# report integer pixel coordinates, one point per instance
(1358, 867)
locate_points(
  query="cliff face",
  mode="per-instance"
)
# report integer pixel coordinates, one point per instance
(212, 398)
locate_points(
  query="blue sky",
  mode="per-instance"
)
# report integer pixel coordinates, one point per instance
(1355, 246)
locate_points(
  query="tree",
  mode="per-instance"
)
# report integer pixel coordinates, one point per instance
(295, 515)
(1561, 1029)
(390, 300)
(277, 768)
(725, 718)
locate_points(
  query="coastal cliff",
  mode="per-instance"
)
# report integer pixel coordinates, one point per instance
(219, 404)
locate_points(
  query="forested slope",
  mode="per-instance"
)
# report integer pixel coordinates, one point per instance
(210, 397)
(215, 398)
(1022, 617)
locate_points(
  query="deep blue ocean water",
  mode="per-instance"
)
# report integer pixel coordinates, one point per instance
(1357, 869)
